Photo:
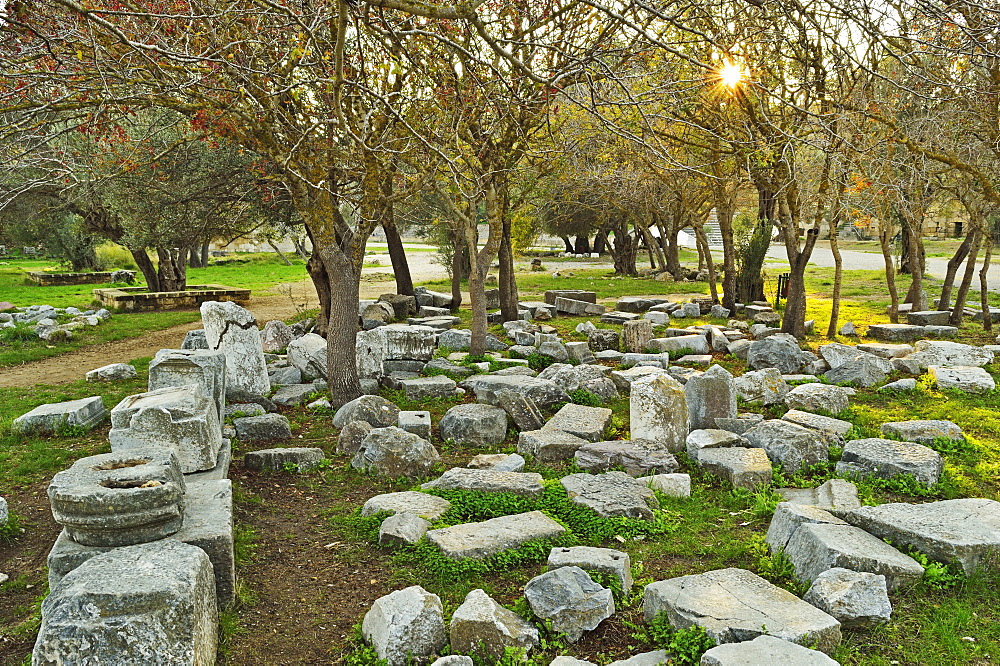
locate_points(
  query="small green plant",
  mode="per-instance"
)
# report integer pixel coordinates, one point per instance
(12, 529)
(538, 361)
(67, 429)
(585, 397)
(685, 646)
(937, 575)
(19, 333)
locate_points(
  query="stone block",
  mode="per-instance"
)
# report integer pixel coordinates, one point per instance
(195, 339)
(696, 343)
(274, 460)
(417, 422)
(671, 485)
(658, 411)
(574, 294)
(886, 458)
(263, 428)
(543, 392)
(614, 563)
(740, 424)
(402, 529)
(548, 445)
(489, 481)
(587, 423)
(372, 409)
(793, 446)
(570, 599)
(420, 504)
(483, 627)
(393, 452)
(828, 426)
(232, 329)
(479, 540)
(744, 468)
(962, 378)
(923, 432)
(611, 494)
(112, 373)
(84, 413)
(766, 386)
(711, 438)
(636, 335)
(836, 496)
(404, 625)
(928, 318)
(202, 369)
(636, 457)
(895, 332)
(521, 409)
(710, 396)
(813, 397)
(764, 649)
(142, 604)
(474, 425)
(779, 351)
(180, 418)
(856, 599)
(735, 605)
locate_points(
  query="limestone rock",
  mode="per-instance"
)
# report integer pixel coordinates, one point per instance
(895, 332)
(275, 336)
(570, 599)
(195, 340)
(735, 605)
(765, 386)
(793, 446)
(500, 462)
(293, 394)
(548, 445)
(608, 561)
(420, 504)
(521, 409)
(864, 371)
(489, 481)
(813, 397)
(949, 354)
(671, 485)
(114, 372)
(304, 458)
(962, 378)
(789, 517)
(710, 396)
(744, 468)
(815, 548)
(263, 428)
(474, 425)
(907, 384)
(964, 531)
(418, 422)
(611, 494)
(401, 529)
(489, 537)
(544, 393)
(828, 426)
(394, 452)
(232, 330)
(372, 409)
(201, 369)
(623, 378)
(765, 649)
(351, 436)
(636, 335)
(779, 351)
(711, 438)
(587, 423)
(658, 411)
(84, 413)
(740, 424)
(886, 458)
(484, 627)
(603, 339)
(836, 496)
(856, 599)
(923, 432)
(405, 624)
(636, 457)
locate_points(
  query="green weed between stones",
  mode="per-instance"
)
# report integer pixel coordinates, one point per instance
(684, 646)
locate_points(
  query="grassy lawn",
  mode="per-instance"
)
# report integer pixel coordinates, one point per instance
(298, 531)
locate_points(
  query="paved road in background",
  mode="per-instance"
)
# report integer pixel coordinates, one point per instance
(852, 260)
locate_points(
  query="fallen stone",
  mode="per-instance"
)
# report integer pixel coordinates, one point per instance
(864, 371)
(636, 335)
(402, 529)
(611, 494)
(372, 409)
(740, 424)
(420, 504)
(744, 468)
(696, 344)
(923, 432)
(814, 397)
(741, 349)
(765, 386)
(263, 428)
(293, 394)
(900, 385)
(885, 350)
(521, 409)
(589, 423)
(544, 393)
(203, 370)
(790, 445)
(886, 458)
(570, 599)
(479, 540)
(828, 426)
(816, 547)
(393, 452)
(603, 339)
(148, 603)
(779, 351)
(84, 413)
(764, 650)
(636, 457)
(928, 317)
(351, 436)
(964, 531)
(273, 460)
(114, 372)
(195, 339)
(404, 625)
(711, 438)
(614, 563)
(962, 378)
(837, 496)
(735, 605)
(856, 599)
(232, 329)
(710, 396)
(483, 627)
(671, 485)
(489, 481)
(949, 354)
(499, 462)
(548, 445)
(895, 332)
(658, 411)
(789, 517)
(423, 388)
(474, 425)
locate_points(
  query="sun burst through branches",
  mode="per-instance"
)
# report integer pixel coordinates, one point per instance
(731, 75)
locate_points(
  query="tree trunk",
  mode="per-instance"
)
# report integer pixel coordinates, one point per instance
(194, 257)
(725, 219)
(400, 266)
(569, 245)
(750, 278)
(479, 264)
(321, 280)
(278, 252)
(949, 279)
(838, 276)
(204, 254)
(457, 268)
(963, 289)
(341, 342)
(600, 240)
(890, 273)
(172, 268)
(507, 282)
(624, 250)
(582, 245)
(710, 264)
(793, 321)
(984, 295)
(916, 258)
(145, 265)
(672, 258)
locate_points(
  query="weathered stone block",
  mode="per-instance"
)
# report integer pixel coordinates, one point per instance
(479, 540)
(84, 413)
(570, 599)
(233, 330)
(886, 458)
(489, 481)
(404, 625)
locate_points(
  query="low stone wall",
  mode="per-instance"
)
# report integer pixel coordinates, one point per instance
(56, 279)
(134, 299)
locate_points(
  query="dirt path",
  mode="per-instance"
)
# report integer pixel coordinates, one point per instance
(290, 297)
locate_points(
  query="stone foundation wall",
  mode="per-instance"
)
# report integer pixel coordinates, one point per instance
(135, 299)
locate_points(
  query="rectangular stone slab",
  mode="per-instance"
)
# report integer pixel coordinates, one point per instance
(85, 413)
(479, 540)
(965, 531)
(489, 481)
(208, 524)
(735, 605)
